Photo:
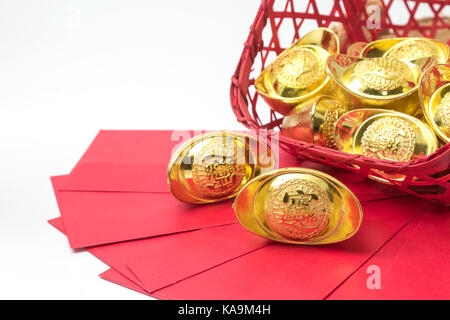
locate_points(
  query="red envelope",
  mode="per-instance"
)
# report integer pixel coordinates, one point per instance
(111, 254)
(129, 161)
(94, 218)
(118, 190)
(245, 276)
(114, 276)
(414, 265)
(169, 259)
(297, 272)
(136, 161)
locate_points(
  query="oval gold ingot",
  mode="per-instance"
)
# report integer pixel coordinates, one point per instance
(313, 121)
(389, 138)
(298, 69)
(299, 72)
(299, 206)
(384, 134)
(412, 49)
(382, 74)
(434, 95)
(419, 52)
(381, 82)
(215, 166)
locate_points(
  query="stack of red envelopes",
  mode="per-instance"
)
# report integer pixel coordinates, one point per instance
(116, 204)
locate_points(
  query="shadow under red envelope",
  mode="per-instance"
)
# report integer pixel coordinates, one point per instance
(117, 193)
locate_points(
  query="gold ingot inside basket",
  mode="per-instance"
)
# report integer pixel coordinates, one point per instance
(382, 82)
(421, 52)
(384, 135)
(299, 72)
(298, 206)
(215, 166)
(434, 95)
(313, 121)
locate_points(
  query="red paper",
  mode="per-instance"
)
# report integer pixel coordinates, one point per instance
(187, 254)
(298, 272)
(414, 265)
(128, 161)
(136, 161)
(162, 261)
(112, 254)
(243, 277)
(94, 218)
(116, 277)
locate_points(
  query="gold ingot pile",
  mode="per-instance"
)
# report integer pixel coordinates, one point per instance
(393, 98)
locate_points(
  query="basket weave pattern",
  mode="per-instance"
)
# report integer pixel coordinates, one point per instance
(427, 177)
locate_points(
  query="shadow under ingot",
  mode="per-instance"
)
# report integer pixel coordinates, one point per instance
(434, 92)
(299, 72)
(298, 206)
(313, 121)
(381, 82)
(215, 166)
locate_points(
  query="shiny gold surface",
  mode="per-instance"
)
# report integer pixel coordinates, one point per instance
(380, 82)
(381, 74)
(299, 72)
(313, 121)
(298, 209)
(389, 138)
(434, 95)
(420, 52)
(384, 135)
(412, 49)
(296, 70)
(298, 206)
(215, 166)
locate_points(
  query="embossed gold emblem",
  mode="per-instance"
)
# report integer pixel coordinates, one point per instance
(444, 111)
(327, 128)
(218, 168)
(298, 209)
(411, 49)
(381, 73)
(298, 206)
(298, 68)
(389, 138)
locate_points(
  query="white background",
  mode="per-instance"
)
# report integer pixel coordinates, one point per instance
(70, 68)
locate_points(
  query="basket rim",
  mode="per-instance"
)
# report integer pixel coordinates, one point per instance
(239, 90)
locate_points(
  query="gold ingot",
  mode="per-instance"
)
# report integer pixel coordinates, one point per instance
(299, 72)
(384, 134)
(298, 206)
(434, 95)
(381, 82)
(313, 121)
(420, 52)
(215, 166)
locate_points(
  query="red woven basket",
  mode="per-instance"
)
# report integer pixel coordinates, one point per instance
(279, 23)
